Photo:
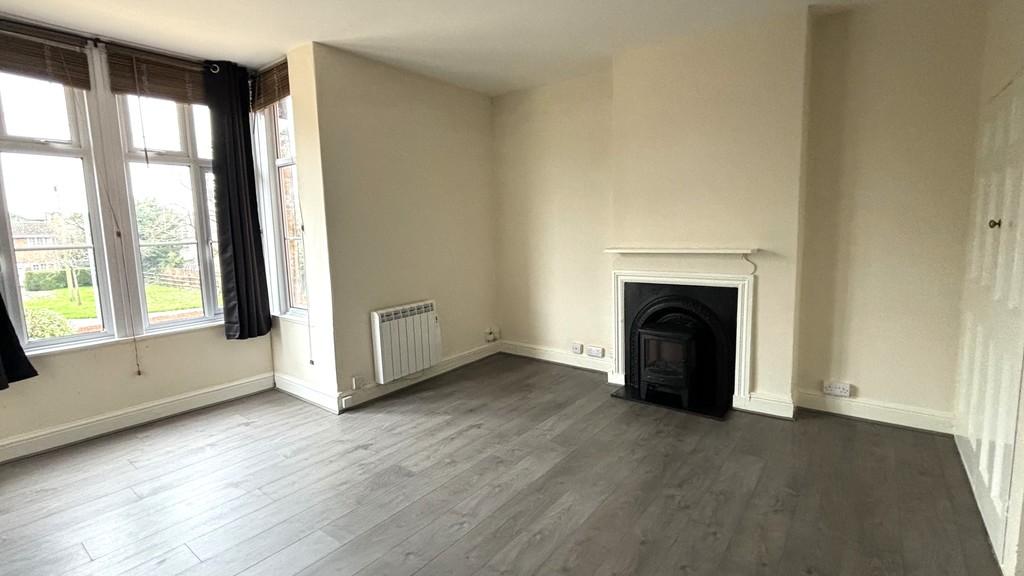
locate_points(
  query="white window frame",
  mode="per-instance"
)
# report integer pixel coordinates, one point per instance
(80, 146)
(268, 165)
(198, 168)
(99, 128)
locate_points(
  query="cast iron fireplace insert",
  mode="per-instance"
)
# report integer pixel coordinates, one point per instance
(680, 346)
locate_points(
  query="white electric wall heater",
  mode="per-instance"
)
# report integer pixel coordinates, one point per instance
(406, 340)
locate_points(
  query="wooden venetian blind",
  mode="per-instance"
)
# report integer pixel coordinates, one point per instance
(44, 54)
(270, 85)
(134, 71)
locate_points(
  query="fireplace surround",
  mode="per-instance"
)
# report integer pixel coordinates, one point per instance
(684, 339)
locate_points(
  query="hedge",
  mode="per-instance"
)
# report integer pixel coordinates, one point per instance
(44, 323)
(40, 280)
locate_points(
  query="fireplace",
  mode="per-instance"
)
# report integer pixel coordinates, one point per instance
(680, 345)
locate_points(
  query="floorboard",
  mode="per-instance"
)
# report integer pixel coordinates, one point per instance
(505, 466)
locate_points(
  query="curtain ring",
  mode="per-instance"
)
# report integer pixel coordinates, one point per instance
(214, 68)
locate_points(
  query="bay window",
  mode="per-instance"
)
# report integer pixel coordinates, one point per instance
(107, 224)
(107, 195)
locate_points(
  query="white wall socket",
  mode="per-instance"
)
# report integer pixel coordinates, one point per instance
(577, 347)
(595, 351)
(839, 389)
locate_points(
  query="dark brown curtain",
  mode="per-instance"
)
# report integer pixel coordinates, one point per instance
(40, 53)
(270, 85)
(134, 71)
(14, 365)
(243, 275)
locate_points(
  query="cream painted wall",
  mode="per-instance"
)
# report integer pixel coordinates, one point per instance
(99, 380)
(706, 141)
(553, 178)
(408, 199)
(890, 171)
(646, 155)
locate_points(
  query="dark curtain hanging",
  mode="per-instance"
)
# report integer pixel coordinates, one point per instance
(243, 276)
(14, 365)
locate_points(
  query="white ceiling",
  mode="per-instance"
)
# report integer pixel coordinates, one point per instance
(489, 45)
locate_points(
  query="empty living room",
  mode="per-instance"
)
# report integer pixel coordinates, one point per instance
(512, 287)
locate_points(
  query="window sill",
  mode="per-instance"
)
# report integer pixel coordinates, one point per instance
(44, 351)
(294, 316)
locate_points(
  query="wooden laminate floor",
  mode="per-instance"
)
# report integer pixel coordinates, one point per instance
(507, 466)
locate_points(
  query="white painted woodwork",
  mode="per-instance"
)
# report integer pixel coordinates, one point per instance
(992, 328)
(679, 250)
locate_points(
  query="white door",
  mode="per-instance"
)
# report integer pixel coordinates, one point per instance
(992, 337)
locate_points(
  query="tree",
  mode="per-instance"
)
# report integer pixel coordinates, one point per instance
(158, 223)
(68, 230)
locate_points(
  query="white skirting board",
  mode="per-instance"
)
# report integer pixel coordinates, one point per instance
(887, 412)
(352, 398)
(605, 364)
(64, 434)
(767, 404)
(303, 390)
(757, 402)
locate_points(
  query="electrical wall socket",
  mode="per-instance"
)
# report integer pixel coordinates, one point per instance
(577, 347)
(839, 389)
(595, 351)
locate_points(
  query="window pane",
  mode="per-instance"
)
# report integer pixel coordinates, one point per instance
(211, 207)
(290, 201)
(154, 124)
(164, 209)
(171, 276)
(46, 200)
(294, 255)
(164, 216)
(34, 108)
(285, 129)
(296, 274)
(58, 293)
(201, 125)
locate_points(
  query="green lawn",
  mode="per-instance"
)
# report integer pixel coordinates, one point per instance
(158, 298)
(167, 298)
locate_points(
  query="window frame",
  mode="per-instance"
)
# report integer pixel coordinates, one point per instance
(99, 132)
(198, 167)
(269, 164)
(81, 146)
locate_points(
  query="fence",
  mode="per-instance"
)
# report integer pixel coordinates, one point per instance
(175, 277)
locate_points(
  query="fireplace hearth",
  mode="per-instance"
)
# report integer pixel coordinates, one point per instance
(680, 346)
